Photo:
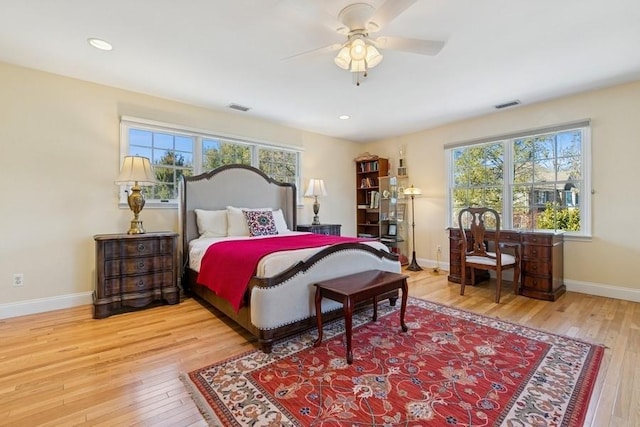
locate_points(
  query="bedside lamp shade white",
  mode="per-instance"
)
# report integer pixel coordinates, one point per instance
(136, 171)
(314, 189)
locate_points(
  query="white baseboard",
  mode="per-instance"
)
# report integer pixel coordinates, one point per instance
(601, 290)
(42, 305)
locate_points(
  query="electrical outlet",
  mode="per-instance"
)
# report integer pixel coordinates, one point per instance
(18, 279)
(438, 249)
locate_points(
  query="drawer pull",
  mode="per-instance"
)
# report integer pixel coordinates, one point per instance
(140, 265)
(140, 247)
(534, 252)
(140, 283)
(534, 267)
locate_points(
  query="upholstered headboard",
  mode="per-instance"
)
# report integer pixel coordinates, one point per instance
(232, 185)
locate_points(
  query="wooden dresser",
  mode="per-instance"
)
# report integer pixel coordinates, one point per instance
(542, 262)
(132, 271)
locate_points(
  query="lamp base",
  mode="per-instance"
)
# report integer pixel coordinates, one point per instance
(316, 220)
(136, 227)
(414, 264)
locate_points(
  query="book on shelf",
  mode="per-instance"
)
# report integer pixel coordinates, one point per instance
(375, 200)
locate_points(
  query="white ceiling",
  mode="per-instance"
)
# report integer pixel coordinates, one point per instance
(213, 53)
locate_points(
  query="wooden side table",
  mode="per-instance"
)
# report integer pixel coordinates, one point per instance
(326, 229)
(351, 289)
(132, 271)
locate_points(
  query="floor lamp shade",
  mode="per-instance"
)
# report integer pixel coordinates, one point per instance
(136, 171)
(314, 189)
(413, 192)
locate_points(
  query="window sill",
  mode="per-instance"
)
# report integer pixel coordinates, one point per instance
(169, 204)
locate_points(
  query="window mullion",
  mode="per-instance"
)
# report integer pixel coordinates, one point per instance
(508, 177)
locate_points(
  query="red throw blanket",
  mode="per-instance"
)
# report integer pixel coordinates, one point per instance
(227, 267)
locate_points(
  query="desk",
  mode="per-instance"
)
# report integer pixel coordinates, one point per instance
(542, 261)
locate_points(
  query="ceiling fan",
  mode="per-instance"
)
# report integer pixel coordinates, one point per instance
(360, 52)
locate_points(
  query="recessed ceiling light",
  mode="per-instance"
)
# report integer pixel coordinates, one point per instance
(100, 44)
(344, 117)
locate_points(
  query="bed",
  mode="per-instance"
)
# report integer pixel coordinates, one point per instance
(279, 296)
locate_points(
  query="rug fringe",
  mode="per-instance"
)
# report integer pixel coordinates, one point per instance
(204, 408)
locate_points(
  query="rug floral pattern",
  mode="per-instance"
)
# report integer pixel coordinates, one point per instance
(452, 368)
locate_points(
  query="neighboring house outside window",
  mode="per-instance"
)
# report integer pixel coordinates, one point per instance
(537, 180)
(176, 152)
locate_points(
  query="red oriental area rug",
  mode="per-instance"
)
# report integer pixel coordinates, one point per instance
(452, 368)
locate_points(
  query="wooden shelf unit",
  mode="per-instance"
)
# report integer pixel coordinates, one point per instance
(368, 173)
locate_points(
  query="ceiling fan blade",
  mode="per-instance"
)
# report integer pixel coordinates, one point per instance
(387, 12)
(422, 47)
(318, 51)
(312, 11)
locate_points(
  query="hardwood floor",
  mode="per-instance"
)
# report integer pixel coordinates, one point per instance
(64, 368)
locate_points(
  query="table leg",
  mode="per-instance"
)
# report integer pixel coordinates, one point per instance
(348, 314)
(318, 315)
(375, 308)
(403, 307)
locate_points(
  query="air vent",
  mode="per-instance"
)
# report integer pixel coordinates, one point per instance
(239, 107)
(507, 104)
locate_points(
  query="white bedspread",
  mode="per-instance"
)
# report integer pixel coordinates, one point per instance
(271, 264)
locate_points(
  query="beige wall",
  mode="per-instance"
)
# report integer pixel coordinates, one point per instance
(608, 263)
(60, 156)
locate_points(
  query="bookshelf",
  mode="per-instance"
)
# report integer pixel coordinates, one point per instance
(368, 195)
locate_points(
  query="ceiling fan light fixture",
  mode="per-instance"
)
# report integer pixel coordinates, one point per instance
(358, 66)
(358, 50)
(373, 57)
(343, 59)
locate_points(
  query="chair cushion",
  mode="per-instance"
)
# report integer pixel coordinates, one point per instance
(506, 259)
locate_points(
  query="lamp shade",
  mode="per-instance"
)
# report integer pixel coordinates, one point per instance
(343, 59)
(315, 188)
(412, 191)
(358, 50)
(373, 57)
(136, 170)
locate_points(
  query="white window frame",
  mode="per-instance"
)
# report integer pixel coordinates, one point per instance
(198, 135)
(507, 141)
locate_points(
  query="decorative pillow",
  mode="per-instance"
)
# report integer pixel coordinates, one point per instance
(211, 223)
(281, 224)
(260, 223)
(237, 222)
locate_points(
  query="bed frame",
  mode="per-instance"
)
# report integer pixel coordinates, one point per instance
(282, 305)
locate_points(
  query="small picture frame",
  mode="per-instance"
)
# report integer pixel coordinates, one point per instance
(393, 230)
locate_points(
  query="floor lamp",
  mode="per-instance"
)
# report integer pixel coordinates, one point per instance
(413, 192)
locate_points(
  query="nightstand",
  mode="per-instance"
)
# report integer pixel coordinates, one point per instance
(133, 271)
(326, 229)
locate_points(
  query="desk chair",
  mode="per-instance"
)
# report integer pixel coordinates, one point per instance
(475, 243)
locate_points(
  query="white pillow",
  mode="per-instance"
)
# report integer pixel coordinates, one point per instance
(237, 222)
(281, 224)
(211, 223)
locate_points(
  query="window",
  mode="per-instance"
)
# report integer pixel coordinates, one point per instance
(176, 152)
(537, 180)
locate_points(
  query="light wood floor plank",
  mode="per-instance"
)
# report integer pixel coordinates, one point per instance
(64, 368)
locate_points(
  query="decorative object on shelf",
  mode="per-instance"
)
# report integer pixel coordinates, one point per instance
(402, 168)
(136, 171)
(316, 188)
(413, 192)
(365, 157)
